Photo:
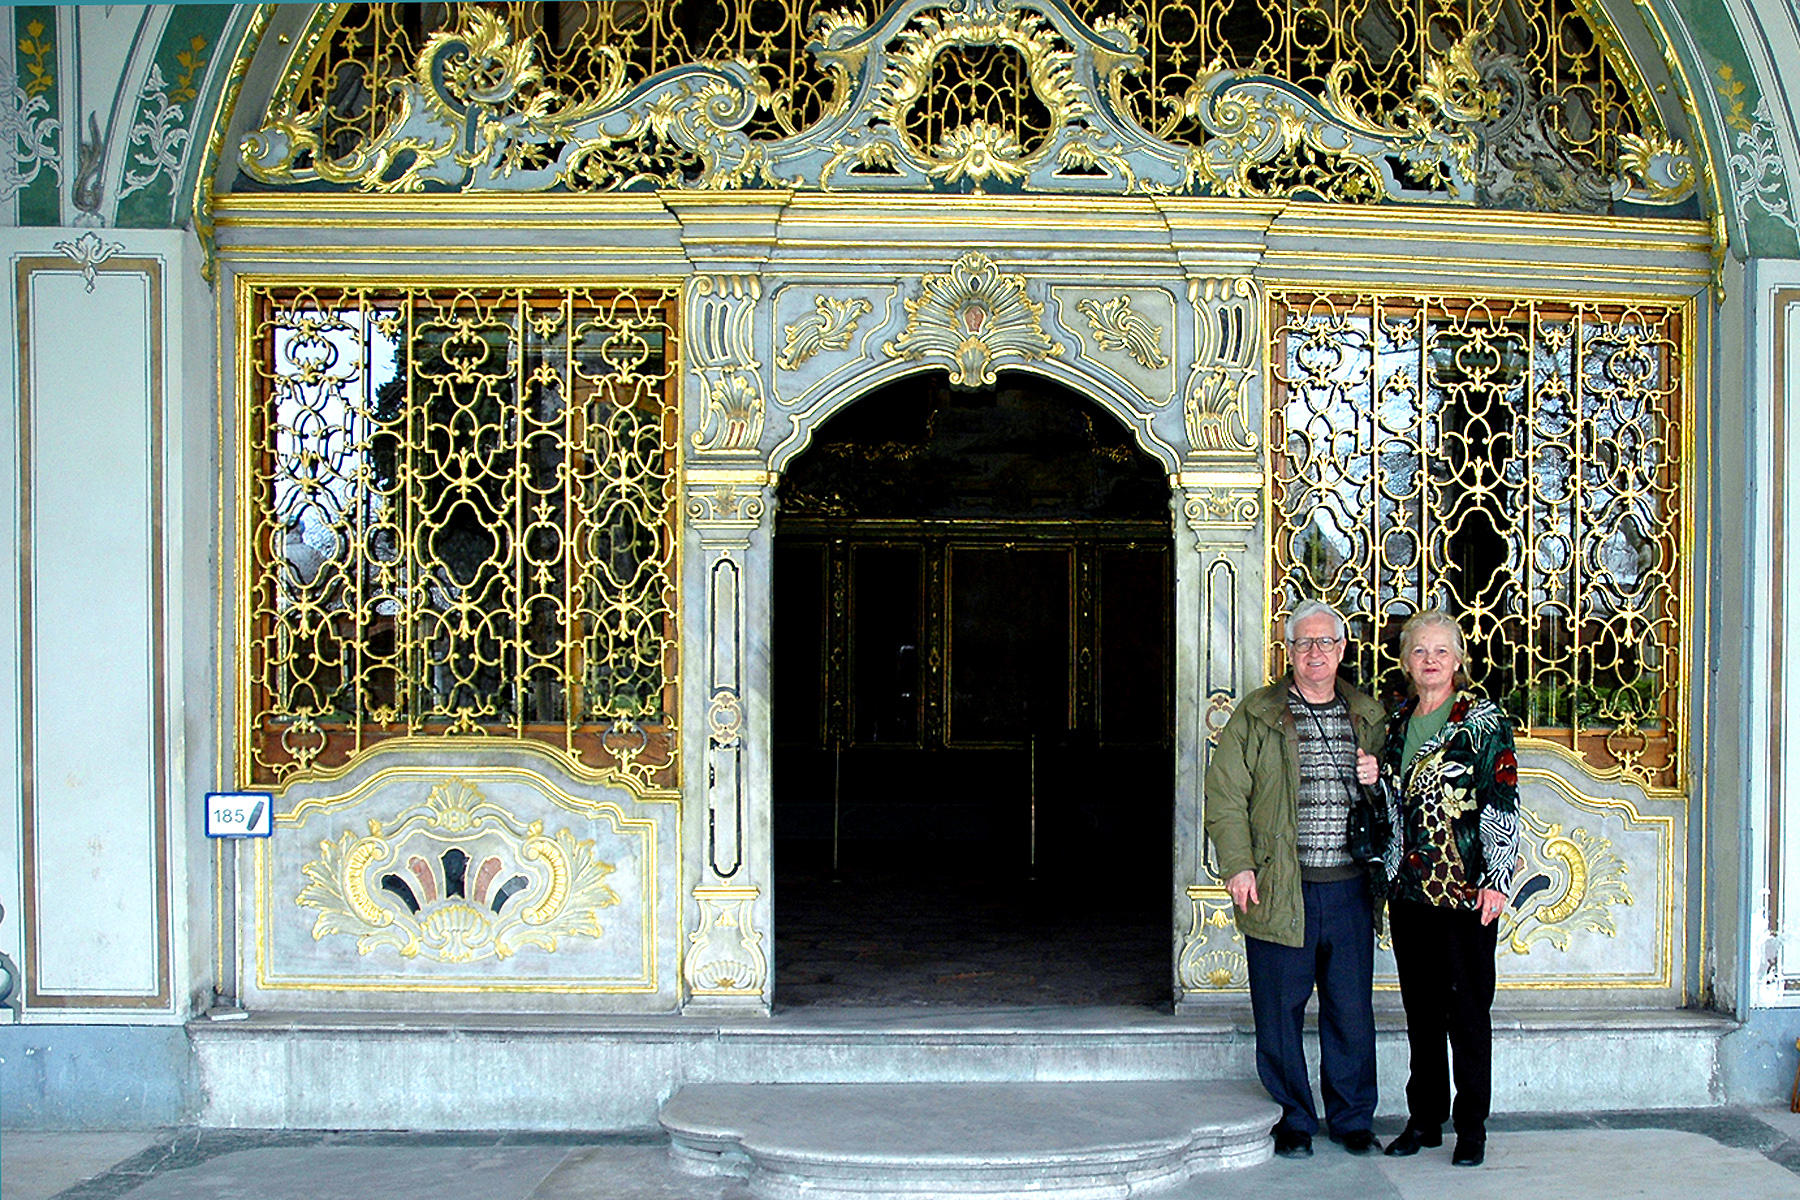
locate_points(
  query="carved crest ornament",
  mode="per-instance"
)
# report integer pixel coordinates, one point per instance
(976, 316)
(457, 879)
(476, 113)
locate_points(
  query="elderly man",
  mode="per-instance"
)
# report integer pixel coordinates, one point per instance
(1279, 794)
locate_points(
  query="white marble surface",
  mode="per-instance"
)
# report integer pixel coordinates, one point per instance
(1582, 1161)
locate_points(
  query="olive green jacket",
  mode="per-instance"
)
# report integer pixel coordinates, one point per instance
(1253, 803)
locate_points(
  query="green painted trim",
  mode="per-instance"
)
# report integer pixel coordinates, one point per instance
(248, 25)
(160, 143)
(35, 58)
(1728, 107)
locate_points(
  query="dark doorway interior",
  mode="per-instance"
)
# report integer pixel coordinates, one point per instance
(973, 705)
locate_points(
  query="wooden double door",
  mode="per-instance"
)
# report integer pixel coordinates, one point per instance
(959, 697)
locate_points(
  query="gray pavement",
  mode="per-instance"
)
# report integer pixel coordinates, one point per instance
(1739, 1154)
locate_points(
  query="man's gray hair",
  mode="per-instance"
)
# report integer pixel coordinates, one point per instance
(1312, 608)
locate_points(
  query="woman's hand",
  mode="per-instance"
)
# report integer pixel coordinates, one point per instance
(1368, 767)
(1488, 903)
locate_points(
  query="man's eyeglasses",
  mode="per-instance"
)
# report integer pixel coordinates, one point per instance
(1305, 644)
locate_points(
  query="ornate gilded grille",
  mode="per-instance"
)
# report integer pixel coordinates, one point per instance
(462, 522)
(1382, 51)
(1516, 462)
(1385, 48)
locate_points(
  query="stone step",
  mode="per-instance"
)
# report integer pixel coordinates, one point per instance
(350, 1070)
(921, 1141)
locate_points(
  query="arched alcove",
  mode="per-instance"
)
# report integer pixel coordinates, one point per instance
(973, 703)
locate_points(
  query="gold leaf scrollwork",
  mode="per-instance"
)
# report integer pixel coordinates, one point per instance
(1660, 164)
(976, 316)
(388, 608)
(1379, 383)
(1330, 147)
(1227, 326)
(1117, 326)
(1026, 95)
(473, 113)
(457, 879)
(1214, 412)
(978, 150)
(725, 955)
(830, 326)
(1568, 883)
(1212, 954)
(1434, 127)
(734, 414)
(725, 504)
(1217, 712)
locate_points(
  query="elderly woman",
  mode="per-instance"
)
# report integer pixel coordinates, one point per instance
(1451, 783)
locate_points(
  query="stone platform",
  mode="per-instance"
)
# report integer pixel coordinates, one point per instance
(394, 1071)
(1071, 1141)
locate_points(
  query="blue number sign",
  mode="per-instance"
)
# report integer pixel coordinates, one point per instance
(239, 814)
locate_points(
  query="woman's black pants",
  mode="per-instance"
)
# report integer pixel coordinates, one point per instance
(1445, 957)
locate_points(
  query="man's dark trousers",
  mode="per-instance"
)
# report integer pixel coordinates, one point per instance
(1339, 958)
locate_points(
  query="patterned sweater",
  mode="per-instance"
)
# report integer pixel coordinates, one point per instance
(1454, 810)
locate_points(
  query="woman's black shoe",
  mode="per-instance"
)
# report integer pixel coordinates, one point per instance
(1470, 1152)
(1412, 1139)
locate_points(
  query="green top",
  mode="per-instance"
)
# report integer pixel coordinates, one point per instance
(1421, 728)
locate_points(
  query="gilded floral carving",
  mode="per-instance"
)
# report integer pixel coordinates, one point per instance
(977, 317)
(1227, 325)
(1043, 106)
(1567, 882)
(830, 326)
(1117, 326)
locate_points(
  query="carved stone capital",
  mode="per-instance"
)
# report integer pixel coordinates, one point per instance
(727, 507)
(1220, 506)
(735, 408)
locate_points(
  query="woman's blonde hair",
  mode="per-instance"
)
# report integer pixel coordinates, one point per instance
(1435, 618)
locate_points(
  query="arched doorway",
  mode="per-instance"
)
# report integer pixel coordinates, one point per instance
(973, 669)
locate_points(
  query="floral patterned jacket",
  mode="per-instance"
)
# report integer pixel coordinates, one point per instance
(1454, 810)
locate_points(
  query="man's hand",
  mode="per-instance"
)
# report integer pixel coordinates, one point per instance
(1242, 887)
(1368, 767)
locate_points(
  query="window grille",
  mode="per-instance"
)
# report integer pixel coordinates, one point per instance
(591, 48)
(1516, 462)
(461, 522)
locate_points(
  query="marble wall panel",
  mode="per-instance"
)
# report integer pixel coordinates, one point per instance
(94, 763)
(466, 879)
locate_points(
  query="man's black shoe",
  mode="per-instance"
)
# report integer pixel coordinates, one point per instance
(1470, 1152)
(1289, 1144)
(1412, 1138)
(1358, 1141)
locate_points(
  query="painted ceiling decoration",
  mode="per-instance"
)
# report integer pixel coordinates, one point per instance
(1510, 104)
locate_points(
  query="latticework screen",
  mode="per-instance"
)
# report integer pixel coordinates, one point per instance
(462, 515)
(1515, 462)
(593, 49)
